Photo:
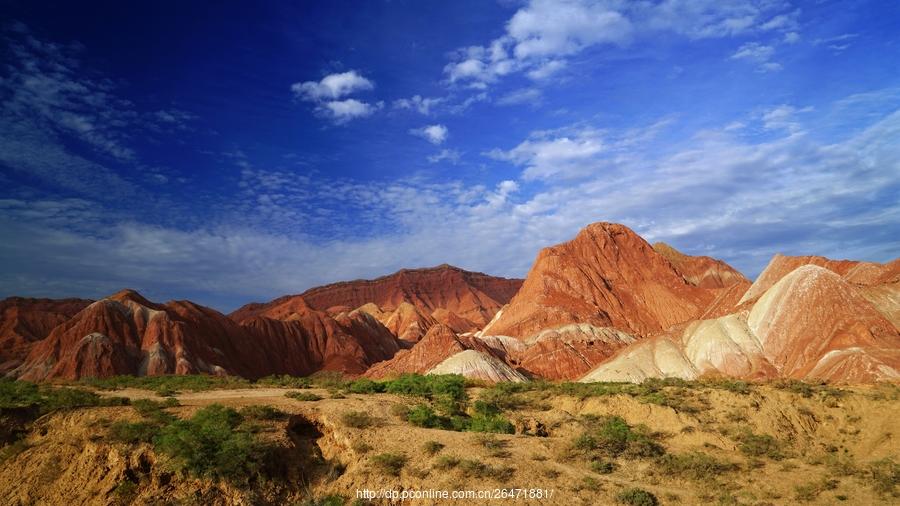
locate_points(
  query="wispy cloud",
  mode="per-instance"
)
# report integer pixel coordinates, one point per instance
(541, 36)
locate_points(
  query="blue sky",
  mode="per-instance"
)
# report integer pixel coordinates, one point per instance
(240, 152)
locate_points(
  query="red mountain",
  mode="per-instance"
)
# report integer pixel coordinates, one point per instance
(127, 334)
(24, 321)
(607, 276)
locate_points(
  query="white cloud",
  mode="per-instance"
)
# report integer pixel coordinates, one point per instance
(552, 28)
(783, 117)
(342, 111)
(542, 34)
(450, 155)
(435, 134)
(332, 86)
(327, 95)
(418, 103)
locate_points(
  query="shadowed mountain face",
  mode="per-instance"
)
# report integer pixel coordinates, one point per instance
(472, 296)
(604, 306)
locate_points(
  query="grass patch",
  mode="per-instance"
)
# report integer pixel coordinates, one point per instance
(167, 384)
(262, 412)
(432, 447)
(884, 476)
(694, 465)
(760, 445)
(284, 381)
(358, 419)
(303, 396)
(471, 468)
(636, 497)
(810, 491)
(47, 398)
(390, 463)
(445, 462)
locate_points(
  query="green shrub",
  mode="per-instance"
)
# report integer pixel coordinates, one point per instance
(694, 465)
(760, 445)
(390, 463)
(261, 412)
(421, 415)
(884, 476)
(47, 398)
(493, 423)
(134, 432)
(365, 386)
(472, 468)
(603, 466)
(612, 436)
(452, 386)
(358, 419)
(810, 491)
(445, 462)
(360, 447)
(303, 396)
(636, 497)
(210, 445)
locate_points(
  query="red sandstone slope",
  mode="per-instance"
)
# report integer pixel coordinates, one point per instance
(470, 295)
(702, 271)
(24, 321)
(126, 334)
(607, 276)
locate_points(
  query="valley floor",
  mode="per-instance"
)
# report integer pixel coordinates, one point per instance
(690, 443)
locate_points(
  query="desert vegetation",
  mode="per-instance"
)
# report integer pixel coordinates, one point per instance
(612, 442)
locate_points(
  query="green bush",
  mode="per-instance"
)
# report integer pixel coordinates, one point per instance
(636, 497)
(694, 465)
(451, 386)
(390, 463)
(365, 386)
(47, 398)
(760, 445)
(261, 412)
(432, 447)
(472, 468)
(493, 423)
(210, 445)
(134, 432)
(612, 436)
(421, 415)
(445, 462)
(603, 466)
(303, 396)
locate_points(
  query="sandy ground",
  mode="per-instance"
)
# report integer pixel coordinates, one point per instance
(857, 426)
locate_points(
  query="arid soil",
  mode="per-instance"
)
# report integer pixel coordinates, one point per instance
(819, 451)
